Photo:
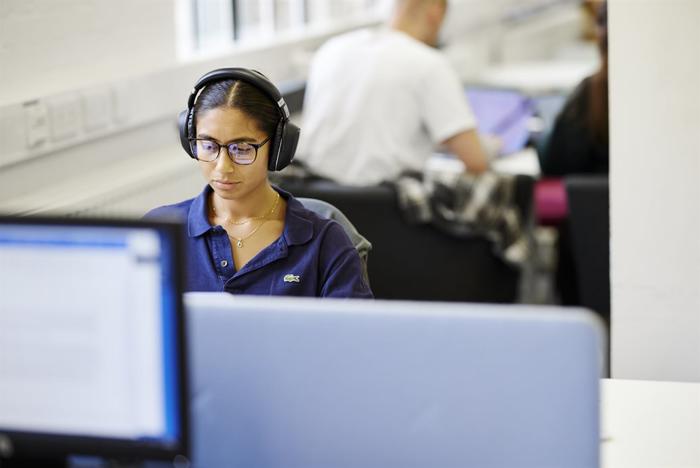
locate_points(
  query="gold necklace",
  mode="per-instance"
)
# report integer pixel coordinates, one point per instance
(246, 221)
(239, 240)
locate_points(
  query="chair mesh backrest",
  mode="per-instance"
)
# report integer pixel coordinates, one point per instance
(326, 210)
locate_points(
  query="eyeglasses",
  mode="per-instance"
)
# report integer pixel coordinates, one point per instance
(240, 153)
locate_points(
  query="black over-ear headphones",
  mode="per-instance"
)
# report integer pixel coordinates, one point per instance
(283, 143)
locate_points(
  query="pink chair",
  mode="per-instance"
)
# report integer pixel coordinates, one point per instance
(551, 203)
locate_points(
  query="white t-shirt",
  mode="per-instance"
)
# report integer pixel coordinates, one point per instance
(377, 103)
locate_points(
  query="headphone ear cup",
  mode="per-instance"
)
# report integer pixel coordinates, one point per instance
(285, 145)
(275, 154)
(184, 123)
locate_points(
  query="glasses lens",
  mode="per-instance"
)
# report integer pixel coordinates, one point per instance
(206, 150)
(242, 153)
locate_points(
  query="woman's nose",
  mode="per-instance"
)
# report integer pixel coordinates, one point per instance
(224, 163)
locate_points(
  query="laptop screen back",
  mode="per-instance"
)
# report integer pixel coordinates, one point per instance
(317, 383)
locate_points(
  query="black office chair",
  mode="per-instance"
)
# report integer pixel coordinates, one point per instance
(326, 210)
(589, 223)
(417, 262)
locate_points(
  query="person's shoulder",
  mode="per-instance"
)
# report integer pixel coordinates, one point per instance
(346, 40)
(325, 219)
(423, 58)
(582, 89)
(437, 60)
(178, 211)
(307, 209)
(358, 35)
(576, 106)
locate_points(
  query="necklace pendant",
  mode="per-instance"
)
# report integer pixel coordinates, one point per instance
(239, 244)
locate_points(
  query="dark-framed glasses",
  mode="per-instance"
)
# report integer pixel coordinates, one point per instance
(208, 150)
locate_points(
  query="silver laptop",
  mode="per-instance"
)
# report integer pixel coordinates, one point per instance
(292, 382)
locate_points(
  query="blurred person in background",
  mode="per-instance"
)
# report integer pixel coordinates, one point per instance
(379, 102)
(578, 143)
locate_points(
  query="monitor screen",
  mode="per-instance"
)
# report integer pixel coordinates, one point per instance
(502, 113)
(91, 339)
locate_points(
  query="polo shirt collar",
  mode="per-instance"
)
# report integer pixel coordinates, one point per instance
(297, 228)
(197, 218)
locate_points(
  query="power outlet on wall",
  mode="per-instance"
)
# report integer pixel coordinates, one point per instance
(65, 114)
(122, 96)
(36, 120)
(97, 109)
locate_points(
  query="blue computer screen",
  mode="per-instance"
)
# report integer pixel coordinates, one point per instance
(504, 114)
(89, 332)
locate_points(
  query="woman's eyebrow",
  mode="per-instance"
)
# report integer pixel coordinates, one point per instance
(242, 139)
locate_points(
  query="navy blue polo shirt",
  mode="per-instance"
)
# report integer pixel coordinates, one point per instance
(312, 257)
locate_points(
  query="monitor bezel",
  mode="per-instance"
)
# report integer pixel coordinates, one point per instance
(32, 445)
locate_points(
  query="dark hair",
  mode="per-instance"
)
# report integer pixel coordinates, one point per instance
(598, 99)
(602, 27)
(241, 95)
(592, 109)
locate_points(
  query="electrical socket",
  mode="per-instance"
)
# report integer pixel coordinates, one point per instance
(36, 123)
(13, 133)
(97, 109)
(65, 114)
(122, 95)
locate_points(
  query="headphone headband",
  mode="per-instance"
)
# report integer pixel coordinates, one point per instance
(250, 76)
(286, 137)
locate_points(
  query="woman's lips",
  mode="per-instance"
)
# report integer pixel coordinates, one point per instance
(225, 183)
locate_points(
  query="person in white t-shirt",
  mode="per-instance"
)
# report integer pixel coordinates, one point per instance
(379, 102)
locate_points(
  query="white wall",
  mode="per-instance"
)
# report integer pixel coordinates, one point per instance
(60, 55)
(655, 188)
(50, 46)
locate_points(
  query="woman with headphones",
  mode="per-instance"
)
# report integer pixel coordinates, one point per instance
(245, 236)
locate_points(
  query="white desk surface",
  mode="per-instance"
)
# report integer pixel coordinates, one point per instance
(650, 424)
(524, 162)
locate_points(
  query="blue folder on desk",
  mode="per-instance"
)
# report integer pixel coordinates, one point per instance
(291, 382)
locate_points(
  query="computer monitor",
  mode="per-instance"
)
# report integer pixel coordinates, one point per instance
(502, 113)
(388, 384)
(92, 357)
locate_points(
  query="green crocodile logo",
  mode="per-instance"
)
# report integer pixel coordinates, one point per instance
(291, 278)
